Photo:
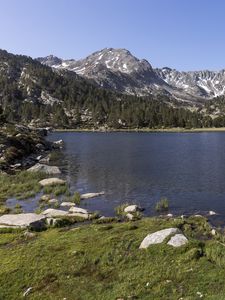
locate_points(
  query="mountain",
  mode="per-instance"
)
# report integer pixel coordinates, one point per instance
(119, 70)
(39, 95)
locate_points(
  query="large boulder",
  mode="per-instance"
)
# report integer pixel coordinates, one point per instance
(23, 220)
(54, 213)
(158, 237)
(52, 181)
(91, 195)
(45, 169)
(178, 240)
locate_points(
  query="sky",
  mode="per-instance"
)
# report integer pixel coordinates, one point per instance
(181, 34)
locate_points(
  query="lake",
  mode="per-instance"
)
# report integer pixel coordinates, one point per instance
(187, 168)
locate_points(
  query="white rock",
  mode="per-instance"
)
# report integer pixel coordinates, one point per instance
(130, 216)
(67, 204)
(51, 181)
(131, 208)
(53, 213)
(213, 231)
(45, 197)
(53, 201)
(23, 220)
(170, 215)
(27, 291)
(77, 214)
(45, 169)
(157, 237)
(75, 209)
(91, 195)
(212, 213)
(178, 240)
(51, 221)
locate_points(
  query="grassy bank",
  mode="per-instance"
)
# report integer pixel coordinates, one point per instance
(103, 261)
(214, 129)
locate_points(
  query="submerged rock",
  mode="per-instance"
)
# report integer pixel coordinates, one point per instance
(158, 237)
(91, 195)
(178, 240)
(45, 169)
(52, 181)
(23, 220)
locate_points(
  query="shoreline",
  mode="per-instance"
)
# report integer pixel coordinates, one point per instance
(147, 130)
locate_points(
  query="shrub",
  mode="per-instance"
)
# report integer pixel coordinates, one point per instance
(76, 198)
(162, 205)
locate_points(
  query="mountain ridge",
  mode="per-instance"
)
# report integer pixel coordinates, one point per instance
(119, 70)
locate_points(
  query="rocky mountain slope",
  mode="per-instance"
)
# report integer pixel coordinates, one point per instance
(119, 70)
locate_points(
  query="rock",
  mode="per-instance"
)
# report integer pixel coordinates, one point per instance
(53, 213)
(129, 216)
(51, 181)
(39, 157)
(80, 215)
(67, 204)
(91, 195)
(23, 220)
(57, 144)
(132, 208)
(45, 160)
(29, 234)
(51, 221)
(169, 215)
(178, 240)
(45, 198)
(78, 210)
(40, 147)
(45, 169)
(157, 237)
(212, 213)
(213, 231)
(27, 291)
(53, 201)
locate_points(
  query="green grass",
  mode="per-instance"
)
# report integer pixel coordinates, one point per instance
(56, 190)
(103, 261)
(162, 205)
(22, 185)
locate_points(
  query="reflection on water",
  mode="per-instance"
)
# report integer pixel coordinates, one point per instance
(187, 168)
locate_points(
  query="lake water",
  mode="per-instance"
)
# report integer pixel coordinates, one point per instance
(187, 168)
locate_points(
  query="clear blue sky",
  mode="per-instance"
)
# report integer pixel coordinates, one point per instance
(182, 34)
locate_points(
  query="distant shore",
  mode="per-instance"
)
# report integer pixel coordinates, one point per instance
(169, 130)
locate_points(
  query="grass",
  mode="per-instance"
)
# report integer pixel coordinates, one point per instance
(76, 198)
(21, 185)
(103, 261)
(56, 190)
(162, 205)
